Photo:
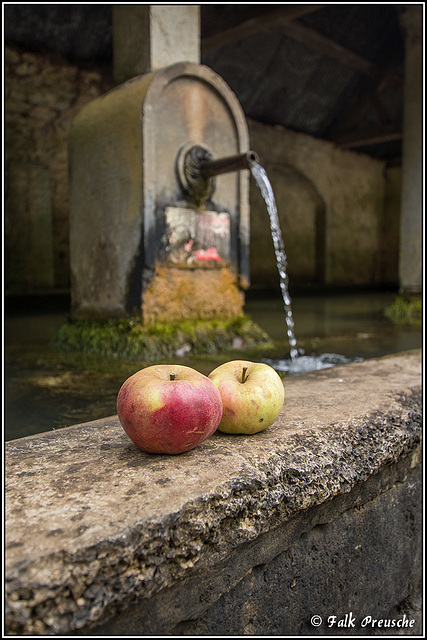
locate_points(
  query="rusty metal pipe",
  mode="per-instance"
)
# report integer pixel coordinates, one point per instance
(196, 167)
(215, 167)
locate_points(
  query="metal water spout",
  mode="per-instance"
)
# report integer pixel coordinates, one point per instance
(197, 167)
(215, 167)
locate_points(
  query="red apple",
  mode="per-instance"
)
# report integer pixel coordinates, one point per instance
(252, 395)
(168, 408)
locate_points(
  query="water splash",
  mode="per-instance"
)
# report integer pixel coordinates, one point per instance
(261, 178)
(305, 364)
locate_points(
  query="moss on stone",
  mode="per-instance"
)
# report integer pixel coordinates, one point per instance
(405, 310)
(177, 295)
(130, 339)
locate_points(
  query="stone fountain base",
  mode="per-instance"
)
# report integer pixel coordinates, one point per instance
(308, 528)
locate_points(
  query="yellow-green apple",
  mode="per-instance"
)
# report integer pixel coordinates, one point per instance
(168, 408)
(252, 395)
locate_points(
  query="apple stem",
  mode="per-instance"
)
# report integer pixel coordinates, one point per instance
(172, 376)
(244, 374)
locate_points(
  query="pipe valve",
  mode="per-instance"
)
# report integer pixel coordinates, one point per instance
(196, 168)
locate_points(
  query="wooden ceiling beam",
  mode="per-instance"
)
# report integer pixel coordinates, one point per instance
(254, 25)
(284, 20)
(315, 40)
(370, 97)
(370, 136)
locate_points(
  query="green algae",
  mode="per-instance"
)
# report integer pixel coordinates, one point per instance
(405, 310)
(130, 339)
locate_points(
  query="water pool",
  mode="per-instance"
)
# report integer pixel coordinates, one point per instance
(46, 389)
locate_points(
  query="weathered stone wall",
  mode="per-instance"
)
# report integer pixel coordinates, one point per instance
(333, 204)
(43, 93)
(331, 208)
(319, 515)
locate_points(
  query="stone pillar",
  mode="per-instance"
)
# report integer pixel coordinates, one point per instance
(149, 37)
(410, 253)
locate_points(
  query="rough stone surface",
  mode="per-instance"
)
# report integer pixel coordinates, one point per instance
(360, 561)
(43, 93)
(95, 527)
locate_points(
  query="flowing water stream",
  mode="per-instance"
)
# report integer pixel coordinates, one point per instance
(261, 178)
(298, 362)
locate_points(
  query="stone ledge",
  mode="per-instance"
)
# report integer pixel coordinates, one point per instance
(94, 525)
(362, 549)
